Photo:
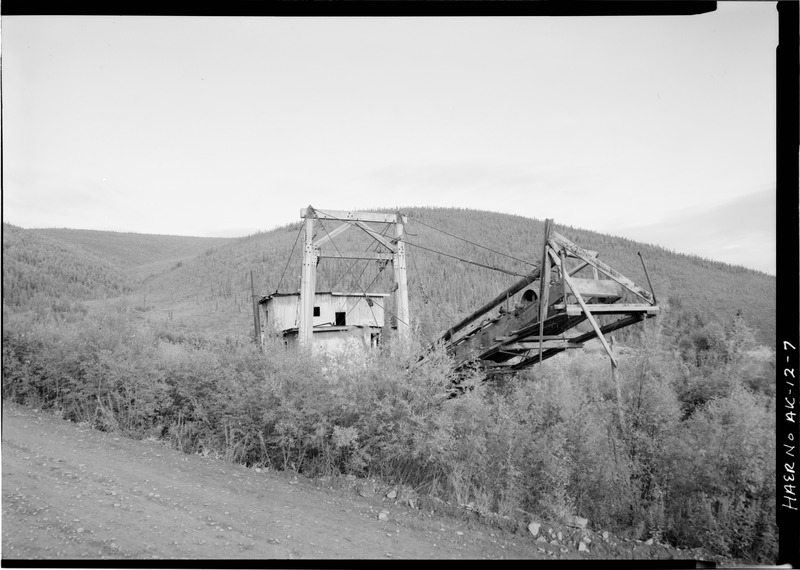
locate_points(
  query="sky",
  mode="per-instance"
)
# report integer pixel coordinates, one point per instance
(659, 129)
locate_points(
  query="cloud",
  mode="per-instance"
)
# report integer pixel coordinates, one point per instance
(740, 231)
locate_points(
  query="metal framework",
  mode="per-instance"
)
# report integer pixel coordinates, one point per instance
(313, 253)
(537, 327)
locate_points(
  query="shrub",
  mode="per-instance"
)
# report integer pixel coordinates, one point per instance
(693, 462)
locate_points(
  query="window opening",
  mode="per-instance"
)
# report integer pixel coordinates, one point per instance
(316, 311)
(341, 321)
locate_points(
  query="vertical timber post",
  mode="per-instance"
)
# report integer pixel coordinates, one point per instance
(308, 283)
(618, 390)
(256, 323)
(544, 285)
(401, 295)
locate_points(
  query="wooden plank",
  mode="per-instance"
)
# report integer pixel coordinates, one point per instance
(596, 263)
(597, 287)
(378, 237)
(546, 344)
(357, 255)
(620, 309)
(353, 216)
(588, 314)
(332, 234)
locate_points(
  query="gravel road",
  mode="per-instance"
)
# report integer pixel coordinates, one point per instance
(74, 493)
(71, 492)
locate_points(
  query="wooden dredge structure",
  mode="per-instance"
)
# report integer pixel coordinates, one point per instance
(537, 327)
(536, 319)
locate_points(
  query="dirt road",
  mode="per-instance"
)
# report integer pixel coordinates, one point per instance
(71, 492)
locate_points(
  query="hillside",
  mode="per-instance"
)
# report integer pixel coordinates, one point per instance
(140, 255)
(213, 289)
(39, 270)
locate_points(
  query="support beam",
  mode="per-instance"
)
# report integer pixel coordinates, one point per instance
(308, 283)
(544, 284)
(256, 322)
(375, 255)
(401, 294)
(646, 274)
(353, 216)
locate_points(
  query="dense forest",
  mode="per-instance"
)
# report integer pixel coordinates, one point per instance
(42, 272)
(678, 446)
(140, 255)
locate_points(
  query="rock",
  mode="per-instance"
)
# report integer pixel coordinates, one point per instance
(560, 536)
(582, 547)
(587, 540)
(534, 528)
(649, 541)
(459, 533)
(575, 522)
(541, 539)
(605, 535)
(351, 477)
(383, 516)
(391, 494)
(554, 542)
(80, 529)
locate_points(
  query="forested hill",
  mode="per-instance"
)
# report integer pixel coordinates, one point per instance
(215, 286)
(44, 272)
(140, 255)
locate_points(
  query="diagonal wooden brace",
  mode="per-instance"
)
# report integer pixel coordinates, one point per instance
(332, 234)
(377, 237)
(588, 313)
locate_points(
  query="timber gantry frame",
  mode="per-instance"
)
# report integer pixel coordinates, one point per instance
(313, 252)
(538, 326)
